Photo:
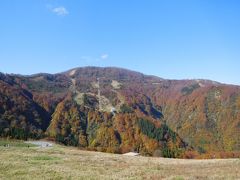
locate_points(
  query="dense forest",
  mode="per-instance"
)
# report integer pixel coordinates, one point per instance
(117, 110)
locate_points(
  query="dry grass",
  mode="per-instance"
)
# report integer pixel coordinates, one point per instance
(70, 163)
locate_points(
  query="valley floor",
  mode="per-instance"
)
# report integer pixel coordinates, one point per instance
(20, 161)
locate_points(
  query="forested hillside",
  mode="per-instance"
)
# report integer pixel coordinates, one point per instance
(117, 110)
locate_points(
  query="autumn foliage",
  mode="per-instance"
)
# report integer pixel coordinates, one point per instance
(153, 116)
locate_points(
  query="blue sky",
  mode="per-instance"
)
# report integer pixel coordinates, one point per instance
(173, 39)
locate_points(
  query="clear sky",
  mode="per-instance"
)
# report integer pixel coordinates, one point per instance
(173, 39)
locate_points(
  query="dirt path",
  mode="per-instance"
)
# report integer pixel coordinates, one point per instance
(43, 144)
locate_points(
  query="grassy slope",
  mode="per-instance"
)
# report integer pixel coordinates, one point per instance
(59, 162)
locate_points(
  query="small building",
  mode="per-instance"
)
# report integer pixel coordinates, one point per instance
(113, 111)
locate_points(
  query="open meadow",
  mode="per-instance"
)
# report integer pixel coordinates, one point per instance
(24, 161)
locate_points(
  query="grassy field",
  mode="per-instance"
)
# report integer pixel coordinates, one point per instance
(22, 162)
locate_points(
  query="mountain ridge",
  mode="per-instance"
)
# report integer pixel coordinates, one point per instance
(123, 69)
(118, 110)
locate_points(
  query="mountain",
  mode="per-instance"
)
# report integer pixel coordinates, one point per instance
(118, 110)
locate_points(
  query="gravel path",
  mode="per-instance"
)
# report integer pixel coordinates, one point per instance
(43, 144)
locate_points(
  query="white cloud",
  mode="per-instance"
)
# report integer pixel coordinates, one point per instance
(104, 56)
(60, 11)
